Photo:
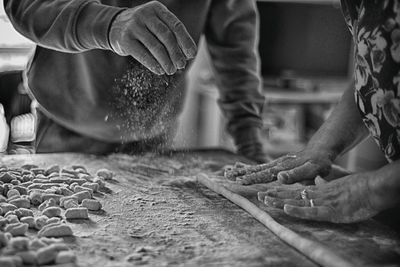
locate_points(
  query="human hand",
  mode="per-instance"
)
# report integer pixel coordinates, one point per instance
(345, 200)
(251, 191)
(154, 36)
(336, 172)
(296, 167)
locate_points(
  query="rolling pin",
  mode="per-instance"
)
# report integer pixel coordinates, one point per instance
(315, 251)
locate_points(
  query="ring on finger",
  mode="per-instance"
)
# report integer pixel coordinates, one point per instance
(304, 194)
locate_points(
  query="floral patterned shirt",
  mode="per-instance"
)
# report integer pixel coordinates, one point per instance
(375, 25)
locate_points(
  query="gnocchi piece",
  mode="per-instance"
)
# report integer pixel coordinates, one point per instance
(6, 177)
(21, 203)
(66, 256)
(93, 186)
(64, 199)
(19, 243)
(52, 212)
(48, 203)
(22, 212)
(55, 230)
(99, 181)
(105, 174)
(53, 220)
(65, 191)
(36, 197)
(46, 255)
(52, 169)
(6, 207)
(21, 189)
(28, 257)
(30, 220)
(79, 188)
(17, 229)
(36, 244)
(40, 221)
(91, 204)
(10, 261)
(53, 196)
(71, 203)
(3, 240)
(13, 192)
(82, 195)
(77, 213)
(12, 218)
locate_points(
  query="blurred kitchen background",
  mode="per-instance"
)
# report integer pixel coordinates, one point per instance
(306, 55)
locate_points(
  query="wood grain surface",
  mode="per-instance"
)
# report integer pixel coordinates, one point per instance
(157, 215)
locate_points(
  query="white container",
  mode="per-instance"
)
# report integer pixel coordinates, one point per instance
(4, 131)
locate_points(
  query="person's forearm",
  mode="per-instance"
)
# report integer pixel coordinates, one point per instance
(67, 26)
(384, 186)
(343, 129)
(231, 35)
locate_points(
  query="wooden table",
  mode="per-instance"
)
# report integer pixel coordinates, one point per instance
(164, 218)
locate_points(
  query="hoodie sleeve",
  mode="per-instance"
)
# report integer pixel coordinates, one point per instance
(63, 25)
(232, 41)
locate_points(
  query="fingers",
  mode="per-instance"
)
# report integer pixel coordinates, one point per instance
(247, 191)
(288, 170)
(290, 201)
(261, 196)
(182, 36)
(158, 51)
(285, 163)
(175, 59)
(264, 176)
(240, 170)
(307, 171)
(283, 193)
(239, 164)
(319, 213)
(280, 203)
(244, 173)
(143, 55)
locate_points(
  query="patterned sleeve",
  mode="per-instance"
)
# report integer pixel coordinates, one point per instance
(350, 10)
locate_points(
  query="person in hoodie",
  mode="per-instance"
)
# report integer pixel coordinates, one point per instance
(108, 76)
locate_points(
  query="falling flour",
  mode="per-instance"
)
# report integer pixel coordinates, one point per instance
(145, 103)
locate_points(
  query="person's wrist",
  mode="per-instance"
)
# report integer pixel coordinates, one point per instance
(113, 30)
(322, 149)
(93, 25)
(328, 144)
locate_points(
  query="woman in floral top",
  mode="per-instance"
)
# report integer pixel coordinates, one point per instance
(371, 107)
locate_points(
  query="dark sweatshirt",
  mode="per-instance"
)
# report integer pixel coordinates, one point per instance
(81, 84)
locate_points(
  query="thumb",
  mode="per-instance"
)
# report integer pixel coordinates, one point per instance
(319, 180)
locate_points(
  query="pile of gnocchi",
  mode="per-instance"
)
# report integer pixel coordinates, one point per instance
(36, 205)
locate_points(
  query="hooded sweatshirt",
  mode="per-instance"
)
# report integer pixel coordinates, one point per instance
(80, 83)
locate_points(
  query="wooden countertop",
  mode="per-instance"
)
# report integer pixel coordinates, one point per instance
(168, 219)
